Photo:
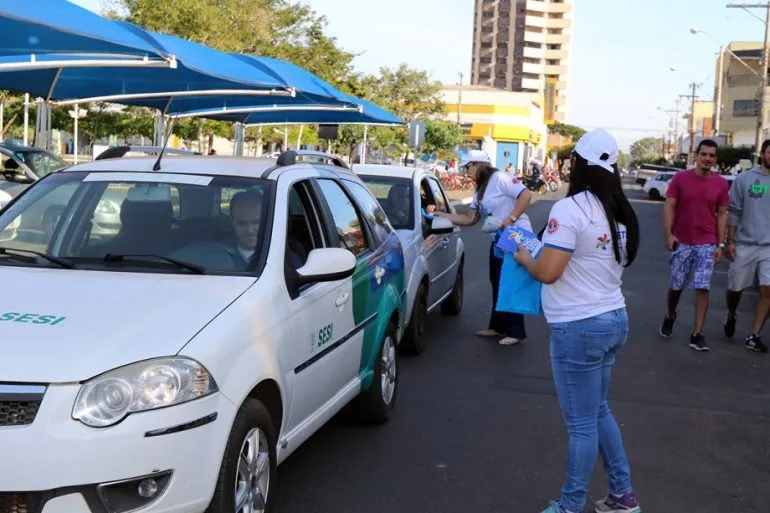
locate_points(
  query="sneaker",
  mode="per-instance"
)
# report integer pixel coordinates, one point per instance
(729, 326)
(667, 328)
(698, 343)
(753, 343)
(626, 503)
(555, 507)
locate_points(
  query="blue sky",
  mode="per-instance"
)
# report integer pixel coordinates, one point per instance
(622, 50)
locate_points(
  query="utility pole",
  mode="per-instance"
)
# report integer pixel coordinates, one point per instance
(692, 96)
(460, 98)
(718, 107)
(763, 75)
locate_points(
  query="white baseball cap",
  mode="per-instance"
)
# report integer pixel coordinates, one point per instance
(599, 148)
(475, 156)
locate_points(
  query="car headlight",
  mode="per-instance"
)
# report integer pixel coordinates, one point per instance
(148, 385)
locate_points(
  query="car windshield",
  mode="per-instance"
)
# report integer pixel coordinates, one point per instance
(41, 163)
(138, 222)
(395, 196)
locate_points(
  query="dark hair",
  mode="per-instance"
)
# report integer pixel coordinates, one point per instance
(765, 145)
(245, 197)
(483, 174)
(706, 142)
(608, 189)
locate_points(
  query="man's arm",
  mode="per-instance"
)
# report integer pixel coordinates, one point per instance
(669, 209)
(721, 230)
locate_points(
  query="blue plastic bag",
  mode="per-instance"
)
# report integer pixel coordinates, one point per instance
(519, 291)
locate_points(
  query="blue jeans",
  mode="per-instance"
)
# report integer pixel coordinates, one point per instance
(582, 355)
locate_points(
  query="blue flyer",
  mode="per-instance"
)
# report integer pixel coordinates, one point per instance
(513, 235)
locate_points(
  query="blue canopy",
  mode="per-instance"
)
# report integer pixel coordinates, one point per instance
(366, 113)
(204, 78)
(48, 27)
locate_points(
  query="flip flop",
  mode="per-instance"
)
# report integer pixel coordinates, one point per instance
(487, 333)
(508, 341)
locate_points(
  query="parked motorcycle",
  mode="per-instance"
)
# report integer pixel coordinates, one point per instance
(552, 179)
(534, 183)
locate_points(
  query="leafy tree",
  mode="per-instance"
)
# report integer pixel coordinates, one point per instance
(647, 149)
(571, 131)
(729, 156)
(442, 135)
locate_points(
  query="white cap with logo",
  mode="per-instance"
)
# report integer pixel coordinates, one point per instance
(599, 148)
(475, 156)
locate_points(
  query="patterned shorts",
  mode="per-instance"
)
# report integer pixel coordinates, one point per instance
(696, 261)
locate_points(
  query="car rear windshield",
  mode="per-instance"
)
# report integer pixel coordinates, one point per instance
(139, 222)
(395, 196)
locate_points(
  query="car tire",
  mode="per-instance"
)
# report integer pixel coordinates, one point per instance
(655, 195)
(453, 305)
(253, 436)
(413, 342)
(374, 406)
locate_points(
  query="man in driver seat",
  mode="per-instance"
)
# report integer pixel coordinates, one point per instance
(246, 217)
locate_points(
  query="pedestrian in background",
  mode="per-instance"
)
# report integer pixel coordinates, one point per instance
(695, 225)
(498, 197)
(748, 246)
(591, 236)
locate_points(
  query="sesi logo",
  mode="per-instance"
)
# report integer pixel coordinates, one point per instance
(31, 318)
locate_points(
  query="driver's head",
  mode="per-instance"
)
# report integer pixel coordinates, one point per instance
(246, 214)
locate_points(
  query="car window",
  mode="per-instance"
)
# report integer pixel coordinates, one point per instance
(41, 163)
(83, 217)
(395, 196)
(438, 195)
(373, 212)
(348, 223)
(304, 230)
(106, 222)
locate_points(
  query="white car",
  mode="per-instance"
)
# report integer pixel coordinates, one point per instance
(172, 367)
(657, 186)
(10, 231)
(433, 250)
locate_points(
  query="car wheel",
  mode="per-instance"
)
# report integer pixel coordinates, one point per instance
(414, 341)
(375, 404)
(247, 477)
(655, 195)
(453, 305)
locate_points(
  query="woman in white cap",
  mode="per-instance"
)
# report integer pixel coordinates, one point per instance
(500, 198)
(591, 236)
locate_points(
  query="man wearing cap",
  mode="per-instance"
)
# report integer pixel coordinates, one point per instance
(695, 225)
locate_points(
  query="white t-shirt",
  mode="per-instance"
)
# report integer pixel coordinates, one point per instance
(500, 198)
(591, 283)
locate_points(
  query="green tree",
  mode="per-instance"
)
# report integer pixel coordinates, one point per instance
(647, 149)
(442, 135)
(571, 131)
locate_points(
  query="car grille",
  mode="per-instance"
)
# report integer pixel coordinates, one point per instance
(19, 404)
(19, 503)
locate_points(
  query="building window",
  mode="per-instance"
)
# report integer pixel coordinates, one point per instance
(552, 62)
(745, 108)
(554, 47)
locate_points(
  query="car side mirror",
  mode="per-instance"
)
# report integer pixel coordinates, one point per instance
(327, 264)
(441, 226)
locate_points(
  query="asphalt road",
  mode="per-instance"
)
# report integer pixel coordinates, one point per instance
(477, 427)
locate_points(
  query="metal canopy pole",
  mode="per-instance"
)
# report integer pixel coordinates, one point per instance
(363, 146)
(26, 119)
(34, 64)
(239, 137)
(178, 94)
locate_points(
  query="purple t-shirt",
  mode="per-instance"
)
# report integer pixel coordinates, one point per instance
(697, 200)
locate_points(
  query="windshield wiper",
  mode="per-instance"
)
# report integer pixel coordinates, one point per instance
(110, 257)
(56, 260)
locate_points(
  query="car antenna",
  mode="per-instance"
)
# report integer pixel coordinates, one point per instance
(170, 130)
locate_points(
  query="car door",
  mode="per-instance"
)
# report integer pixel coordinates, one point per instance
(449, 243)
(371, 274)
(321, 313)
(435, 248)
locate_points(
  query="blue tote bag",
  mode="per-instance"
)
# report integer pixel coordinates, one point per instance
(519, 291)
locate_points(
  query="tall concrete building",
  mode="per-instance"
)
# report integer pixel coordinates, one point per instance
(524, 45)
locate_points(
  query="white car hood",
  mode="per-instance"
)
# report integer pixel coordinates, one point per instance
(83, 323)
